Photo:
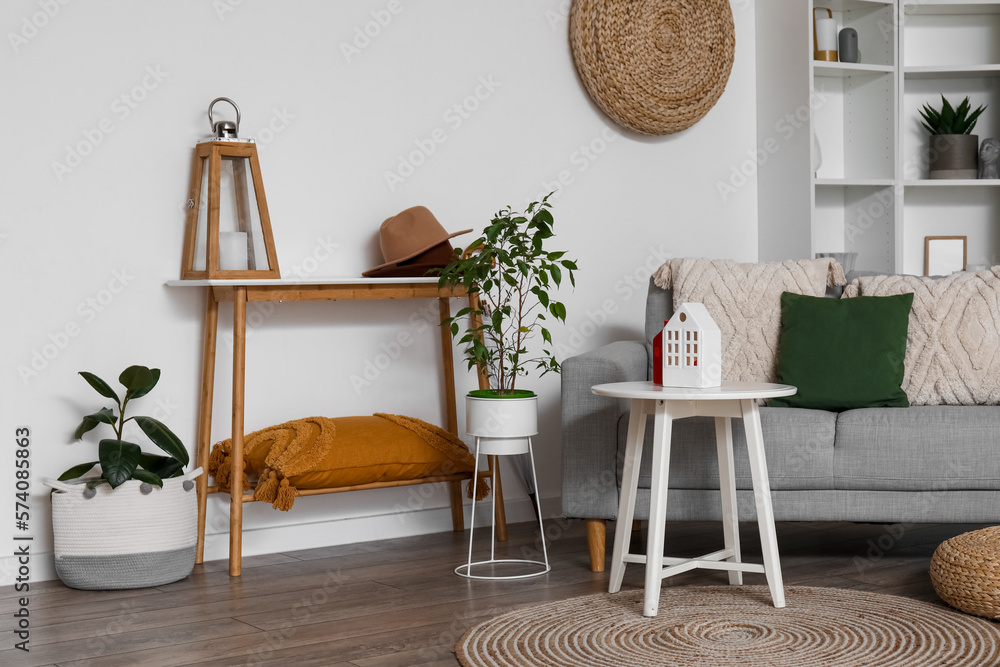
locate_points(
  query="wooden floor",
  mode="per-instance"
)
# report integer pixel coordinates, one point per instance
(398, 602)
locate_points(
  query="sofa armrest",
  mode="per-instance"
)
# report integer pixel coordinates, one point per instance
(590, 427)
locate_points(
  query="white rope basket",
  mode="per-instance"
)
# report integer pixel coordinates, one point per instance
(124, 538)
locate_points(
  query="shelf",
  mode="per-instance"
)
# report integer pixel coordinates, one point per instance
(951, 71)
(843, 70)
(852, 5)
(954, 182)
(851, 182)
(952, 8)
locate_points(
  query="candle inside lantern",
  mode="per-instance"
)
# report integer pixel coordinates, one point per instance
(826, 34)
(233, 251)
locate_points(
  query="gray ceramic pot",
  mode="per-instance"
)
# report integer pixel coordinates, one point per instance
(954, 156)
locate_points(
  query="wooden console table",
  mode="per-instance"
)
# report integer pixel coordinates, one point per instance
(240, 292)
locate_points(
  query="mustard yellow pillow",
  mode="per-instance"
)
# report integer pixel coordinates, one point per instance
(323, 453)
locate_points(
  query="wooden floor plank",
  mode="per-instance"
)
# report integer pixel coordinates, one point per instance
(132, 618)
(126, 643)
(397, 602)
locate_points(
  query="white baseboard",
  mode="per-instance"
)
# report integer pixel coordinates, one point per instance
(296, 536)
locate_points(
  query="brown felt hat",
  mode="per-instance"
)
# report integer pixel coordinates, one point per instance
(413, 242)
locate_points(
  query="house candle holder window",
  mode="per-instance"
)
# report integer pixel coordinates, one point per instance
(688, 351)
(228, 229)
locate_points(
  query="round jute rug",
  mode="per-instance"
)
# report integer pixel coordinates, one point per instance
(734, 625)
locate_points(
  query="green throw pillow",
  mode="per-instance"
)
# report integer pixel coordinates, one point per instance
(843, 354)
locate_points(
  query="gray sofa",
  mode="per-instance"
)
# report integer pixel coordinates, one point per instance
(914, 465)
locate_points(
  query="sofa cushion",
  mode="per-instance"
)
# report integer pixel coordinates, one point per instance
(744, 300)
(920, 448)
(798, 444)
(843, 353)
(953, 351)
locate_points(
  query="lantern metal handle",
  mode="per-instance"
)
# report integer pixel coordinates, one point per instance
(224, 128)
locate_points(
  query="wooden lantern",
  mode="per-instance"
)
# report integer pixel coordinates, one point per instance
(228, 231)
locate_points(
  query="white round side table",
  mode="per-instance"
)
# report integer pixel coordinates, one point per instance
(665, 404)
(502, 427)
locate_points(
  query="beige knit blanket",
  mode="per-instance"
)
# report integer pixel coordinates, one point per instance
(745, 302)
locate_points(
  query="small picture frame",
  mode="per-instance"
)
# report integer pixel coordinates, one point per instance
(944, 255)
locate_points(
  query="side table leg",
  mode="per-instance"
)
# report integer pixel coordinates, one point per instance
(205, 414)
(239, 387)
(762, 495)
(662, 427)
(626, 501)
(727, 487)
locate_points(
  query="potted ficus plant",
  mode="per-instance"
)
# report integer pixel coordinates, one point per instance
(135, 523)
(954, 149)
(512, 274)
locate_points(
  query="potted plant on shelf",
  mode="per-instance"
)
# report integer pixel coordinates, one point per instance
(511, 274)
(135, 524)
(954, 149)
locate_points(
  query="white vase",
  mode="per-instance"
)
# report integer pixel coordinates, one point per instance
(502, 425)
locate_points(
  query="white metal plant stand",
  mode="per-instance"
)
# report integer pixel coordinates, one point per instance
(665, 404)
(502, 427)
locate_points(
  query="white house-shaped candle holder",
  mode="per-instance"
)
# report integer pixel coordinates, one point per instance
(692, 348)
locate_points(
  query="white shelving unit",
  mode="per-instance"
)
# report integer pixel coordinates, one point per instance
(871, 194)
(949, 48)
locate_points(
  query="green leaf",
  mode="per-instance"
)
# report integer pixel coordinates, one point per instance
(164, 466)
(119, 460)
(556, 274)
(90, 422)
(546, 336)
(569, 264)
(163, 438)
(148, 477)
(142, 391)
(558, 310)
(136, 378)
(77, 471)
(102, 387)
(970, 123)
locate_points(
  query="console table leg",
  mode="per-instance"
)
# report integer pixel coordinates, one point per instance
(762, 495)
(662, 428)
(239, 386)
(457, 512)
(727, 487)
(205, 414)
(500, 514)
(448, 363)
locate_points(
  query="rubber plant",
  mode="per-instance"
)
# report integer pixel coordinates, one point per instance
(951, 120)
(514, 274)
(121, 461)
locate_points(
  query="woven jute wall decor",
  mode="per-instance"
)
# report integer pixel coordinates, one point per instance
(653, 66)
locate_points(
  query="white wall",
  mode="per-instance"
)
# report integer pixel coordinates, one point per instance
(329, 129)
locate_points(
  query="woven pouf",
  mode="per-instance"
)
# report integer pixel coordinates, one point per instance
(965, 571)
(653, 66)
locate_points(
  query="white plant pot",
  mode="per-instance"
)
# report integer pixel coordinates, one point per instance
(124, 538)
(502, 425)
